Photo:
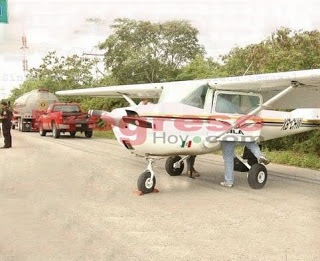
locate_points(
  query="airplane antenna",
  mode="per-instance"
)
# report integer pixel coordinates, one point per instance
(248, 69)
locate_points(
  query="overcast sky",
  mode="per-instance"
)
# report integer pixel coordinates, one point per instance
(61, 25)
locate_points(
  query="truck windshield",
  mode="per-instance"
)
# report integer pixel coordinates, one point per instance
(66, 108)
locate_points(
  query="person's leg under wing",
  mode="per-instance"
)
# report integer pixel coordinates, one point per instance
(228, 148)
(255, 149)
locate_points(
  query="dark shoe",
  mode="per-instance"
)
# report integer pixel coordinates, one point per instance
(189, 173)
(264, 160)
(5, 147)
(193, 174)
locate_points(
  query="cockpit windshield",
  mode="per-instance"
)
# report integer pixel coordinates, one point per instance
(187, 92)
(236, 103)
(197, 97)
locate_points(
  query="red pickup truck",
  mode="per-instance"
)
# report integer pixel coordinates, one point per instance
(66, 117)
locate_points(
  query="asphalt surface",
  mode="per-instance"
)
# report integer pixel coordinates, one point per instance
(73, 199)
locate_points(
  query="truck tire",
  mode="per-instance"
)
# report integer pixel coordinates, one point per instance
(73, 133)
(88, 134)
(13, 126)
(19, 124)
(42, 132)
(55, 131)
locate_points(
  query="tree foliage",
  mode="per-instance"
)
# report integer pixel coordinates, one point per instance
(141, 51)
(58, 73)
(284, 50)
(200, 68)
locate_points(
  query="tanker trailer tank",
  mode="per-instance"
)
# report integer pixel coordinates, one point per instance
(28, 108)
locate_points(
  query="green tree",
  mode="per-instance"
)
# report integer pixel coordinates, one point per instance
(200, 68)
(141, 51)
(107, 104)
(63, 73)
(58, 73)
(284, 50)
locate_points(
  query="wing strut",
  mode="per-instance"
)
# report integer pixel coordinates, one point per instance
(128, 99)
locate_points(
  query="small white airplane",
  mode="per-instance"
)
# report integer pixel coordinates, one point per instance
(191, 118)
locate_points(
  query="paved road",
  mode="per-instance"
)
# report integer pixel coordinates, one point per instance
(72, 199)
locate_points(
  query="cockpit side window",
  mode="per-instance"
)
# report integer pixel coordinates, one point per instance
(236, 103)
(197, 97)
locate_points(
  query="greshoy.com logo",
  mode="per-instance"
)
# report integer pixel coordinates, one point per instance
(136, 133)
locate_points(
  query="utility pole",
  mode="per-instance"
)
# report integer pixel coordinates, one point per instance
(95, 55)
(24, 47)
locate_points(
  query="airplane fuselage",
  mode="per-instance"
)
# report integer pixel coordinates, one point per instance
(194, 133)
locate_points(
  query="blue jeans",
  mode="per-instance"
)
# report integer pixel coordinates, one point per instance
(228, 148)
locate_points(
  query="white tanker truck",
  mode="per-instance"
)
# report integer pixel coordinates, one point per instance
(28, 108)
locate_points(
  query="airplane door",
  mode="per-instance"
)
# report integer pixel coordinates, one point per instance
(229, 108)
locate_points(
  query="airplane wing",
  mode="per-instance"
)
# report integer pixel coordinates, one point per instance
(134, 91)
(306, 95)
(147, 90)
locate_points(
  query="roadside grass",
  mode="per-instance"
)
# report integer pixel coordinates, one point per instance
(286, 157)
(304, 160)
(104, 134)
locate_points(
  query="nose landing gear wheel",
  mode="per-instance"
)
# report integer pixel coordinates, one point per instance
(171, 170)
(145, 183)
(257, 176)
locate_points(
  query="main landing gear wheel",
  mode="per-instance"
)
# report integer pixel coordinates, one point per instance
(146, 183)
(170, 168)
(257, 176)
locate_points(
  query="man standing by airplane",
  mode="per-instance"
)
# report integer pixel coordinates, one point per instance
(226, 105)
(192, 173)
(6, 117)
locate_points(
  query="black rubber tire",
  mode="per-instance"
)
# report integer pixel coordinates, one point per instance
(19, 124)
(13, 126)
(55, 131)
(73, 133)
(142, 182)
(169, 166)
(88, 134)
(257, 176)
(42, 132)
